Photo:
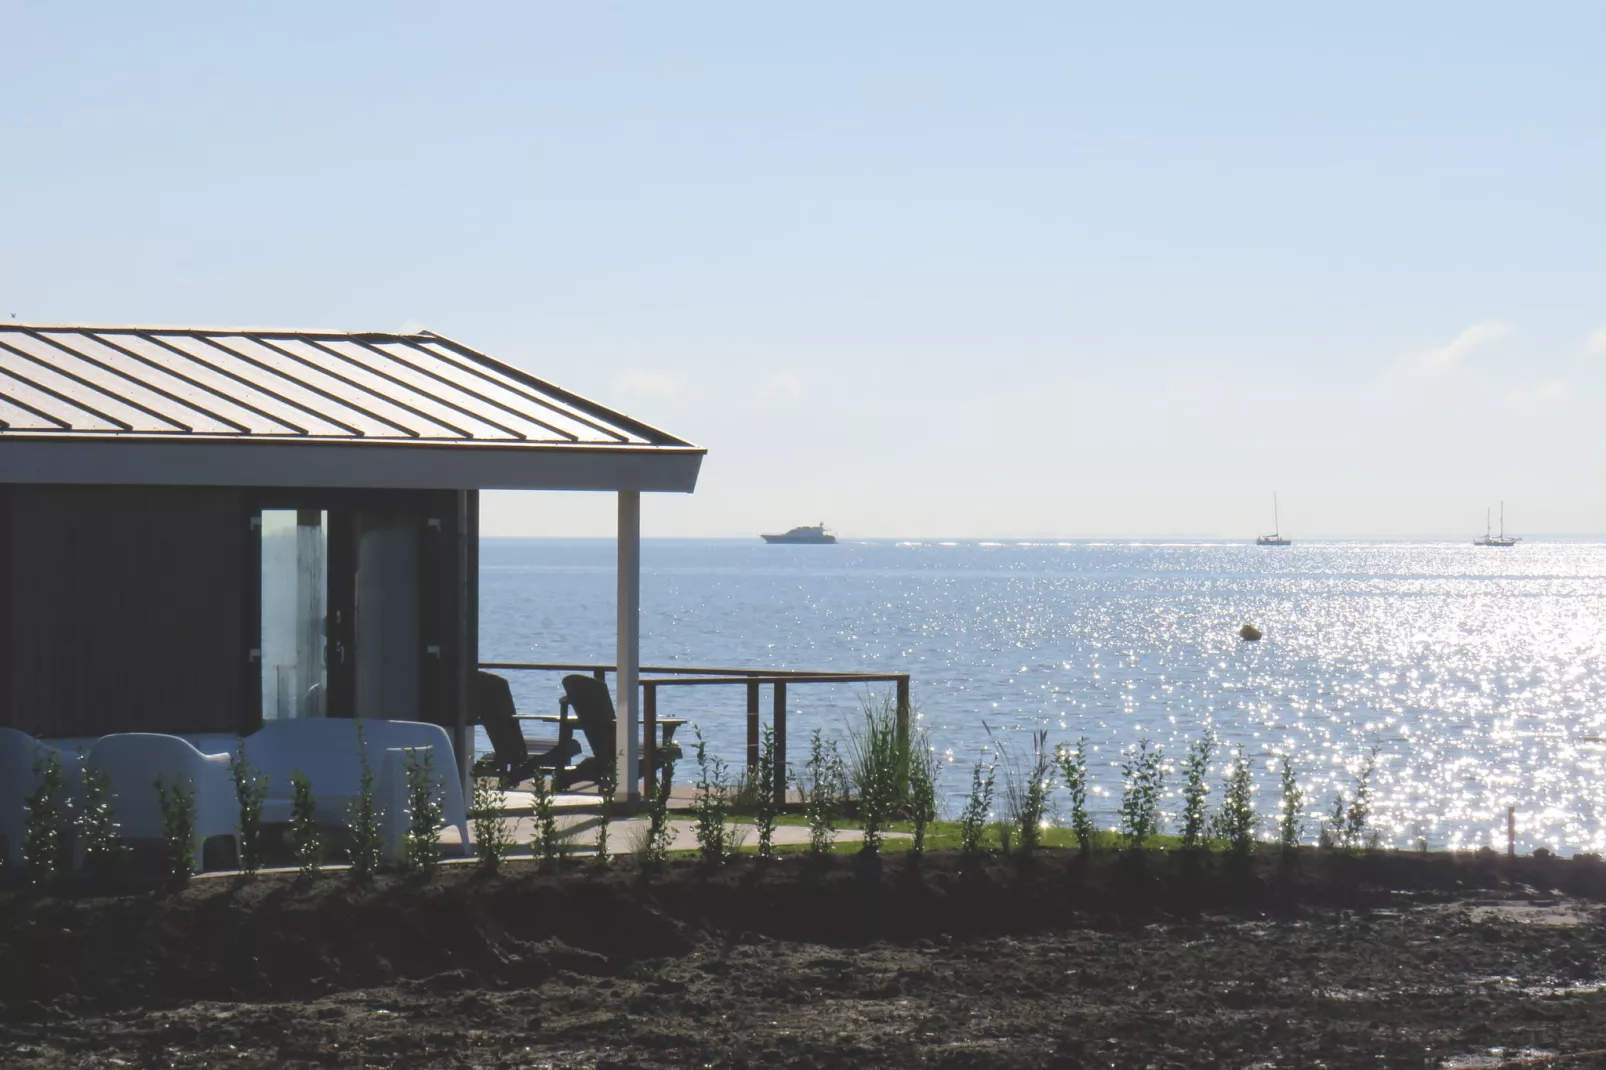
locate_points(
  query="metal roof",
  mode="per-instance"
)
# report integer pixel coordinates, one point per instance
(179, 386)
(301, 384)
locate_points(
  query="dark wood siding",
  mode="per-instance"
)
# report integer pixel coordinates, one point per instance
(127, 610)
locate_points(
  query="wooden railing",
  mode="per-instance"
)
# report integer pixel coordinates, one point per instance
(753, 679)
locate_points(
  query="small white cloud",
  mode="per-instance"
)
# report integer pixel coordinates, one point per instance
(1596, 345)
(650, 385)
(1475, 337)
(782, 386)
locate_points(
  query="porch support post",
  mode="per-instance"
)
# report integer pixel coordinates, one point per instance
(465, 662)
(628, 672)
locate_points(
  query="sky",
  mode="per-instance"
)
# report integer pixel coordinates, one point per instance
(912, 269)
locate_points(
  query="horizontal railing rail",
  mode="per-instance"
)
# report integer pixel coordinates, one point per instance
(752, 679)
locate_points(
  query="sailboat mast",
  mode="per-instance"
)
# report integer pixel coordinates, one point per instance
(1502, 520)
(1276, 518)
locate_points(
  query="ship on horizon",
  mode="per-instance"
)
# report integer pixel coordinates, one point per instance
(805, 536)
(1276, 537)
(1501, 539)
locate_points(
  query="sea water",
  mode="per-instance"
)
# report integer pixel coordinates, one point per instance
(1477, 674)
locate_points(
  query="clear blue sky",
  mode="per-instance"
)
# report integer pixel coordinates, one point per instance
(910, 268)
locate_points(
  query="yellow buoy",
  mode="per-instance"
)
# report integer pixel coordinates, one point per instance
(1250, 632)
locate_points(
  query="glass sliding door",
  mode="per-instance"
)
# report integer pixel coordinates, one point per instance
(389, 646)
(295, 580)
(353, 616)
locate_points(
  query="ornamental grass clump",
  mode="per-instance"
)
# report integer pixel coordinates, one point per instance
(711, 806)
(1290, 825)
(367, 844)
(45, 821)
(1143, 779)
(98, 829)
(923, 773)
(1236, 821)
(1196, 794)
(177, 804)
(824, 786)
(1073, 770)
(306, 838)
(249, 791)
(492, 840)
(1027, 783)
(978, 805)
(765, 807)
(878, 768)
(421, 847)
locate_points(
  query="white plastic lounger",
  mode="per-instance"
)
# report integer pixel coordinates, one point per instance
(324, 750)
(133, 760)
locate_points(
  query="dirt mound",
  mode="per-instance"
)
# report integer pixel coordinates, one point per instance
(280, 938)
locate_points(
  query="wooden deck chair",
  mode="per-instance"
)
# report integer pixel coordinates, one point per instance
(514, 758)
(593, 710)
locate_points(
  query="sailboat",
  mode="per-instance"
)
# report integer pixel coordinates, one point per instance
(1501, 539)
(1275, 538)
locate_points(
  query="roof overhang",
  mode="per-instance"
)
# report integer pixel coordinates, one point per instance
(289, 463)
(184, 406)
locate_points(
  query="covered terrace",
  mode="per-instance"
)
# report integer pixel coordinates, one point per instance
(204, 530)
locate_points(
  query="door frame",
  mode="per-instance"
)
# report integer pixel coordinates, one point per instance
(440, 604)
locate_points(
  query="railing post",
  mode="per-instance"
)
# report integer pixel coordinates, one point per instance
(649, 739)
(752, 725)
(903, 710)
(780, 743)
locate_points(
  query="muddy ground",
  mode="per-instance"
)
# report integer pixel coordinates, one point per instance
(1384, 960)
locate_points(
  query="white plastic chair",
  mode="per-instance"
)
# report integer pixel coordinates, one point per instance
(132, 761)
(324, 750)
(18, 753)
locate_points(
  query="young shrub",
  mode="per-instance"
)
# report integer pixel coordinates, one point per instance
(1348, 824)
(177, 804)
(1357, 831)
(1143, 778)
(547, 847)
(1196, 794)
(607, 784)
(363, 821)
(44, 821)
(421, 849)
(659, 834)
(97, 825)
(1026, 791)
(711, 805)
(249, 791)
(1290, 826)
(878, 765)
(492, 841)
(973, 821)
(822, 787)
(1331, 830)
(923, 772)
(1073, 769)
(1236, 822)
(306, 838)
(764, 805)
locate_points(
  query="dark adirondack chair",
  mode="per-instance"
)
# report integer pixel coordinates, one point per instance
(514, 758)
(593, 710)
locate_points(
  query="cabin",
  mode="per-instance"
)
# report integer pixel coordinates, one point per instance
(201, 530)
